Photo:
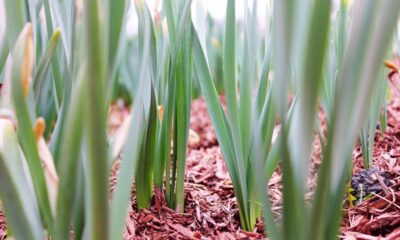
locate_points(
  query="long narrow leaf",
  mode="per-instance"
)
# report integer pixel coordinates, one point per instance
(18, 198)
(20, 88)
(69, 165)
(96, 122)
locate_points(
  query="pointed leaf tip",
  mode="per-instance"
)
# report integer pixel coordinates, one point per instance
(39, 128)
(27, 63)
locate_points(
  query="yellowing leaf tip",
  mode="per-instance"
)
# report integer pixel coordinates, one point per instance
(27, 63)
(57, 32)
(39, 128)
(160, 109)
(391, 65)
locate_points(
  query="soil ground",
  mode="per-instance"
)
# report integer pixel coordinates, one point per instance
(210, 205)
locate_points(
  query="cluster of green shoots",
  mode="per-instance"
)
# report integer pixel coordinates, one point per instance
(63, 62)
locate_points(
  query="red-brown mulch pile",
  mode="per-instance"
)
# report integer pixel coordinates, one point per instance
(3, 225)
(210, 205)
(200, 122)
(380, 215)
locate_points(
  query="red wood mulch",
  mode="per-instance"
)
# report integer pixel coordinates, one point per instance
(210, 205)
(211, 211)
(380, 215)
(3, 229)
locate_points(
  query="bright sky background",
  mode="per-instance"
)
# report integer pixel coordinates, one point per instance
(215, 7)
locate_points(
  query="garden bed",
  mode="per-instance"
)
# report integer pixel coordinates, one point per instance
(379, 215)
(210, 205)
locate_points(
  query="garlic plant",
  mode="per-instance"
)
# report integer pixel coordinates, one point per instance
(300, 45)
(62, 62)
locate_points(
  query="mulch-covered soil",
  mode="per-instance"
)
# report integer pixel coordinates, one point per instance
(379, 215)
(210, 205)
(3, 229)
